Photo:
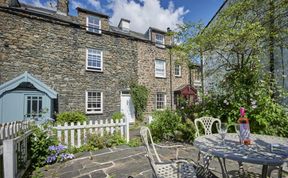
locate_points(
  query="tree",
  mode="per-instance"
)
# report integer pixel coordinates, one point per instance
(239, 45)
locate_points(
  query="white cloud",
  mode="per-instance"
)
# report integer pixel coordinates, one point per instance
(49, 4)
(89, 4)
(149, 14)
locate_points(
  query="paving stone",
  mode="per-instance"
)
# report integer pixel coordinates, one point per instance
(106, 150)
(135, 167)
(82, 154)
(94, 166)
(132, 162)
(70, 174)
(72, 167)
(84, 176)
(98, 174)
(121, 147)
(115, 155)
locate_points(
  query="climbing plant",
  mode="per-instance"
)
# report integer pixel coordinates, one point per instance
(139, 94)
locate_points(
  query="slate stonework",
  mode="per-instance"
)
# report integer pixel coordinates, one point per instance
(55, 53)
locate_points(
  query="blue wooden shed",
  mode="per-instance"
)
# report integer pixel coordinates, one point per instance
(26, 97)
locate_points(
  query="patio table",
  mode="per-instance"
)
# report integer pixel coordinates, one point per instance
(259, 152)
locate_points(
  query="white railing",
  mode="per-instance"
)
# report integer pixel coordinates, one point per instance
(76, 134)
(15, 155)
(13, 148)
(11, 130)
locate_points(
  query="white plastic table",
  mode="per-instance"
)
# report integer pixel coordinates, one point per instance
(259, 152)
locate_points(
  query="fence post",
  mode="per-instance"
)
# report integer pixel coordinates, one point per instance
(127, 129)
(9, 158)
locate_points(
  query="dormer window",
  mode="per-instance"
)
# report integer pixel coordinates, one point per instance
(159, 40)
(93, 24)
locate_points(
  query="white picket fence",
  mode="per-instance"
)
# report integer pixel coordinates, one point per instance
(76, 134)
(13, 148)
(11, 130)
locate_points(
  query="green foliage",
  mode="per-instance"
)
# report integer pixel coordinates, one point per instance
(237, 43)
(135, 142)
(139, 94)
(117, 116)
(40, 142)
(248, 89)
(168, 125)
(37, 173)
(96, 142)
(74, 116)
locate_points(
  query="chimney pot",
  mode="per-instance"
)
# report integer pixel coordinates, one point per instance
(62, 7)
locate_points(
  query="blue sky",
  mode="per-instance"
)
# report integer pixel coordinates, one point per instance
(145, 13)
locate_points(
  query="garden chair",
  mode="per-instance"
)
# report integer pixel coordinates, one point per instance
(207, 123)
(169, 169)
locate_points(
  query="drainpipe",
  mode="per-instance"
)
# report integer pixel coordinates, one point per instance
(170, 60)
(171, 91)
(202, 75)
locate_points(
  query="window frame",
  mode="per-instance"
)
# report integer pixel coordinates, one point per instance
(30, 98)
(180, 70)
(93, 68)
(155, 69)
(197, 75)
(86, 103)
(164, 101)
(94, 30)
(157, 42)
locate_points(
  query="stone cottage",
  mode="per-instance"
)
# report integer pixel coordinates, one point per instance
(51, 62)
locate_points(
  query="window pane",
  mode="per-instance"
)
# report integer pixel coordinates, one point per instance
(159, 68)
(177, 70)
(28, 107)
(93, 24)
(34, 106)
(94, 101)
(160, 101)
(94, 58)
(159, 39)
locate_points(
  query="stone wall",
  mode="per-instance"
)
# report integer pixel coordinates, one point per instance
(147, 53)
(56, 55)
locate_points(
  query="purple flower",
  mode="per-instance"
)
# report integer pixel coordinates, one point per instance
(51, 159)
(52, 148)
(61, 147)
(65, 156)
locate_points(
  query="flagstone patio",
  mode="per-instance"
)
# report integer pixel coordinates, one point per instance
(124, 161)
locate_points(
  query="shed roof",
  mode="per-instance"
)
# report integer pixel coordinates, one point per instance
(26, 77)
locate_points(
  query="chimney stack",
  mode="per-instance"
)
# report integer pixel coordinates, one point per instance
(10, 3)
(124, 25)
(62, 7)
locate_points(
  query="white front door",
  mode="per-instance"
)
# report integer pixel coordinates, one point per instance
(127, 107)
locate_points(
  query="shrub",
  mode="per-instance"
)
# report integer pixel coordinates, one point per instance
(74, 116)
(168, 125)
(40, 142)
(164, 125)
(96, 141)
(139, 94)
(117, 116)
